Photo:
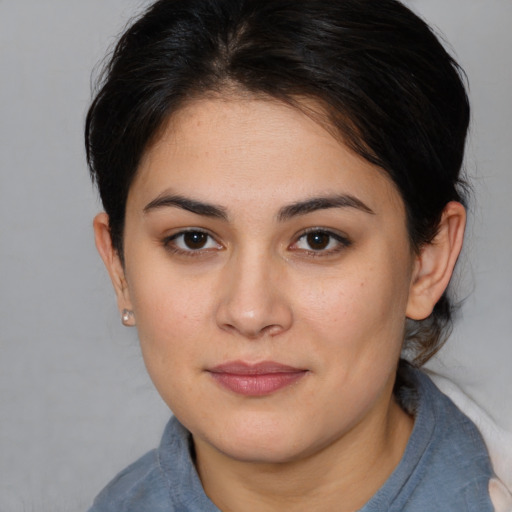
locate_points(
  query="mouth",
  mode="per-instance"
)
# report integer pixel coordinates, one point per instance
(255, 380)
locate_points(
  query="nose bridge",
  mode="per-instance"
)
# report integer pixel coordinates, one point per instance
(252, 301)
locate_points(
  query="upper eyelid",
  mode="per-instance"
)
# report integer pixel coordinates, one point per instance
(328, 231)
(183, 231)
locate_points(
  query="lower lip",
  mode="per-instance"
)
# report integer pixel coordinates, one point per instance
(257, 385)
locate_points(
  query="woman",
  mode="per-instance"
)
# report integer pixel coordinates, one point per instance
(283, 213)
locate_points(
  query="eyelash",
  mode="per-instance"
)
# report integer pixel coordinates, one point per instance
(170, 243)
(342, 242)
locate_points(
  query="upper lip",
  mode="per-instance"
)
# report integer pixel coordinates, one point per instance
(262, 368)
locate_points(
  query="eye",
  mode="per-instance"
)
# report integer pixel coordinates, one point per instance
(320, 241)
(191, 241)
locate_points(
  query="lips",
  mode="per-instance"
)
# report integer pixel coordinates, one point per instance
(255, 379)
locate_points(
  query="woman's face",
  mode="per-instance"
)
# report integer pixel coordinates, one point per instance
(269, 270)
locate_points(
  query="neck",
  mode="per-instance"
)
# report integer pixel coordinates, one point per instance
(341, 476)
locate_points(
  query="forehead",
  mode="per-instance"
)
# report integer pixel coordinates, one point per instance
(251, 150)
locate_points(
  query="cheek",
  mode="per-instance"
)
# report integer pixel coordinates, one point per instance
(172, 329)
(172, 315)
(360, 312)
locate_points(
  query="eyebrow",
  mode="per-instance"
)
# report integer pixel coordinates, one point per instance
(185, 203)
(285, 213)
(322, 203)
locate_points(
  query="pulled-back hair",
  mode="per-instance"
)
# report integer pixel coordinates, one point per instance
(384, 83)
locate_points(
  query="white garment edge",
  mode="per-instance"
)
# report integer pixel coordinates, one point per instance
(497, 440)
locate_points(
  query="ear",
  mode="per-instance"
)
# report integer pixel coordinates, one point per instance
(433, 267)
(112, 261)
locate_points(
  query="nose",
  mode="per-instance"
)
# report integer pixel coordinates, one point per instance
(253, 300)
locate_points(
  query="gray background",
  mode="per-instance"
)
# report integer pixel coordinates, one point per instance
(75, 402)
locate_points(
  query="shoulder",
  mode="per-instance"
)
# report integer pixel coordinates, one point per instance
(453, 431)
(446, 464)
(165, 479)
(497, 440)
(457, 461)
(141, 486)
(453, 466)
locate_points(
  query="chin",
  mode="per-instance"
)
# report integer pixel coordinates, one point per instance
(262, 440)
(263, 452)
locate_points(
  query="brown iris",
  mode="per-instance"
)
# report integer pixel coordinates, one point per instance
(318, 240)
(195, 239)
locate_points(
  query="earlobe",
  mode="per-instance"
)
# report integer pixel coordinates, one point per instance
(112, 261)
(434, 265)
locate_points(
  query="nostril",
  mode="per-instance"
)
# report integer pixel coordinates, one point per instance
(272, 330)
(229, 328)
(253, 334)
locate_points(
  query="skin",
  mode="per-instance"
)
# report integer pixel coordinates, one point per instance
(257, 288)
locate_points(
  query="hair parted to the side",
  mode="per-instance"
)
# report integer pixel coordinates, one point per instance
(379, 76)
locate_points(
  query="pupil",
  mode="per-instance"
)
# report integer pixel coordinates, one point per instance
(195, 240)
(318, 241)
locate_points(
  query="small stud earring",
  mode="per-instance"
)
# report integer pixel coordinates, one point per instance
(127, 317)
